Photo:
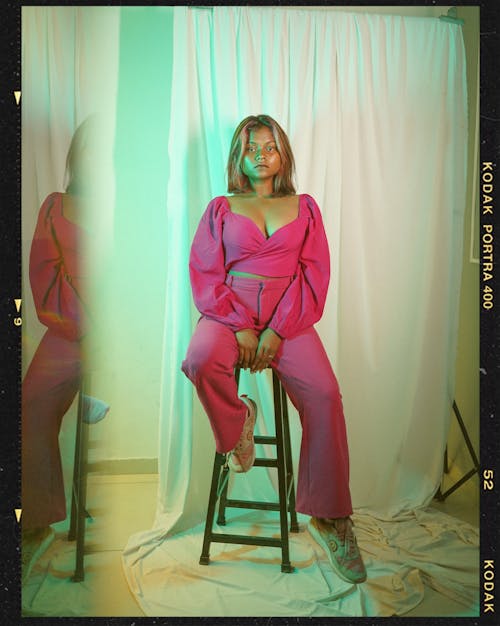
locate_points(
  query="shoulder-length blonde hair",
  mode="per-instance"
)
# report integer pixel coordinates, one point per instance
(237, 181)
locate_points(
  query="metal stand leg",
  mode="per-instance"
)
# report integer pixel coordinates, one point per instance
(440, 495)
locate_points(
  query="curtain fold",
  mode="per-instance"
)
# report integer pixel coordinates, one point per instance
(403, 101)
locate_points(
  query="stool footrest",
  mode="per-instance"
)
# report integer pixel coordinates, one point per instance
(263, 439)
(249, 504)
(246, 540)
(265, 462)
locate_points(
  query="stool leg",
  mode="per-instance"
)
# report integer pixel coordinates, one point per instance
(212, 501)
(81, 491)
(76, 472)
(290, 485)
(224, 481)
(282, 488)
(221, 518)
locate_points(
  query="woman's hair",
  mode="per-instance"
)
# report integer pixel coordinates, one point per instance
(237, 181)
(83, 140)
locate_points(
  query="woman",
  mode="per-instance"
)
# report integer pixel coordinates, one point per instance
(259, 268)
(53, 376)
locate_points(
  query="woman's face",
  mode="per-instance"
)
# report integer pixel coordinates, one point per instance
(261, 158)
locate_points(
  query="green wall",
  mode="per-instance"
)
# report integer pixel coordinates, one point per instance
(136, 286)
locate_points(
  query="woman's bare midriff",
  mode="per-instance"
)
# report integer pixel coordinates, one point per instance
(247, 275)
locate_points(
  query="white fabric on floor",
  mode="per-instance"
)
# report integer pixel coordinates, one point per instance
(402, 556)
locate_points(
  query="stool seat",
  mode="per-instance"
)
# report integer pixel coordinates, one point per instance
(286, 490)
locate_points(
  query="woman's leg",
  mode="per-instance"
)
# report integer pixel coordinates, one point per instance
(209, 364)
(48, 389)
(307, 375)
(323, 481)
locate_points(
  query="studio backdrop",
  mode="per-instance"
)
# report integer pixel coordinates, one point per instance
(375, 108)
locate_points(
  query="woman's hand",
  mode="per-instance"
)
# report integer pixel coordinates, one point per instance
(269, 343)
(247, 344)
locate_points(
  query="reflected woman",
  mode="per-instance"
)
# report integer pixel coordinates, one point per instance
(259, 269)
(58, 284)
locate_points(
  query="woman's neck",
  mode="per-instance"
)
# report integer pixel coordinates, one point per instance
(263, 190)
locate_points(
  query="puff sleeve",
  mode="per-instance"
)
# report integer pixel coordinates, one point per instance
(303, 302)
(55, 273)
(212, 297)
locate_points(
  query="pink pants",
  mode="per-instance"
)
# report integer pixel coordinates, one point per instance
(49, 387)
(307, 376)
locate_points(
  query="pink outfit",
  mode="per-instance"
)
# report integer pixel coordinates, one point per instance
(297, 254)
(228, 241)
(53, 376)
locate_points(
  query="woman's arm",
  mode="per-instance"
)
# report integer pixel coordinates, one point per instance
(303, 302)
(54, 278)
(212, 297)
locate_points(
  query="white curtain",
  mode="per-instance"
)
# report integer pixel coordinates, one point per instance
(375, 108)
(402, 98)
(69, 72)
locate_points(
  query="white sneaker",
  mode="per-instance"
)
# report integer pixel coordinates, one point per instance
(341, 548)
(94, 410)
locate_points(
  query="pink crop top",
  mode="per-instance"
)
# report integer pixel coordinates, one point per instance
(227, 241)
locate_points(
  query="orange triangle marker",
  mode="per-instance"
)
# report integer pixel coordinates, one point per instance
(18, 514)
(17, 95)
(18, 304)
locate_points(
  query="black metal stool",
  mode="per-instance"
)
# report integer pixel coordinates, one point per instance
(286, 489)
